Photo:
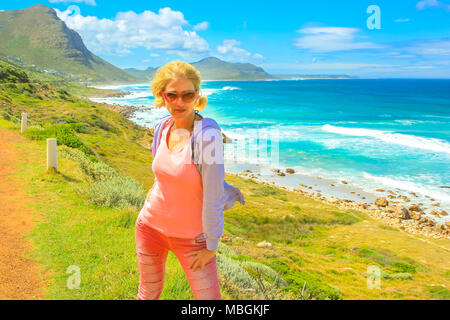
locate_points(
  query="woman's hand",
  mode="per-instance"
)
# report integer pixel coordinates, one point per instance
(202, 257)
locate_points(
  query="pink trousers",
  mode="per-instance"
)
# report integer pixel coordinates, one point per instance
(152, 248)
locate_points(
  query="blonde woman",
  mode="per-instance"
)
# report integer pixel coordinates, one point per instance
(183, 211)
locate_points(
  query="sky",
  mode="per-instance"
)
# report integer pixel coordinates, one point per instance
(376, 38)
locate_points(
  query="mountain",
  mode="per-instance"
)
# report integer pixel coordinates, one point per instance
(215, 69)
(143, 75)
(212, 68)
(38, 37)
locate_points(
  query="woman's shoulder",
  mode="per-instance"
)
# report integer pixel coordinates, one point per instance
(209, 123)
(161, 121)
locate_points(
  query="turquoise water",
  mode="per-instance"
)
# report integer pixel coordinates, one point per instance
(391, 133)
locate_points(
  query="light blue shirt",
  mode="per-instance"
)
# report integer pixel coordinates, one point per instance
(207, 155)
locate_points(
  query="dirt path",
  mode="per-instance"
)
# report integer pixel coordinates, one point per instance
(19, 276)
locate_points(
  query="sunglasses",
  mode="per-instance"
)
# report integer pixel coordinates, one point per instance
(187, 96)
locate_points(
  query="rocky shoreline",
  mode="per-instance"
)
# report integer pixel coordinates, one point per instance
(402, 214)
(126, 111)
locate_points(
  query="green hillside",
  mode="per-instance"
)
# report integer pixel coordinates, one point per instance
(38, 37)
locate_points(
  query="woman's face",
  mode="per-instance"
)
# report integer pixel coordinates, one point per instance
(179, 108)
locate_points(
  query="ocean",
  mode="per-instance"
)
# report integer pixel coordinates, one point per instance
(392, 134)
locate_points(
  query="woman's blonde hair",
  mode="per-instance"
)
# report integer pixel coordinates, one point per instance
(173, 70)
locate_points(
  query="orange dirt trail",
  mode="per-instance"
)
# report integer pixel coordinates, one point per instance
(20, 277)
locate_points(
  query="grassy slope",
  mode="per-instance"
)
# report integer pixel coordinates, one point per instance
(312, 242)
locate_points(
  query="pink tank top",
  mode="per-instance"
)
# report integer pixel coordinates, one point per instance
(176, 199)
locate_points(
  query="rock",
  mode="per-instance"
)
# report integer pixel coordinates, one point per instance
(344, 182)
(434, 213)
(402, 213)
(390, 196)
(281, 174)
(380, 190)
(404, 198)
(362, 205)
(381, 202)
(275, 170)
(290, 171)
(438, 227)
(389, 209)
(414, 207)
(332, 185)
(444, 186)
(236, 238)
(417, 215)
(436, 205)
(447, 224)
(390, 192)
(264, 243)
(443, 213)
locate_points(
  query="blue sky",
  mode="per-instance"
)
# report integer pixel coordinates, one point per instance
(404, 38)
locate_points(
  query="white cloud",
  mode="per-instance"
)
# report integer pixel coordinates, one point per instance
(231, 52)
(431, 3)
(201, 26)
(402, 20)
(129, 30)
(328, 39)
(417, 67)
(90, 2)
(436, 48)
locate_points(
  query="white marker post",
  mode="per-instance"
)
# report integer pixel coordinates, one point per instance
(51, 153)
(24, 122)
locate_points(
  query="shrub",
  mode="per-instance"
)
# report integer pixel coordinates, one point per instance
(226, 250)
(235, 273)
(115, 192)
(11, 74)
(403, 267)
(266, 271)
(63, 134)
(106, 187)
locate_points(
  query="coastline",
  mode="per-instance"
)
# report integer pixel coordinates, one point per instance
(394, 210)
